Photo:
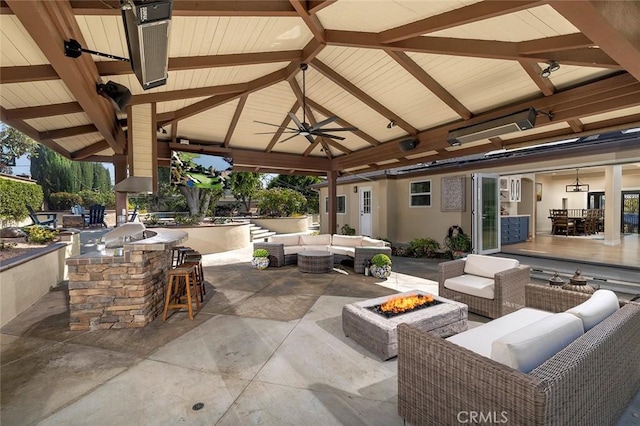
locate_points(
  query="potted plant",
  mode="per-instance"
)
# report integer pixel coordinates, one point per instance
(380, 266)
(260, 259)
(459, 245)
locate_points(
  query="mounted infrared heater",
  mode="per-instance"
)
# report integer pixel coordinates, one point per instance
(523, 120)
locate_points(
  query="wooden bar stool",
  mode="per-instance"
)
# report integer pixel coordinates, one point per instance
(182, 280)
(196, 260)
(176, 255)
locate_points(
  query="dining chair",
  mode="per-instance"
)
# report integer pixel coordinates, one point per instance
(561, 224)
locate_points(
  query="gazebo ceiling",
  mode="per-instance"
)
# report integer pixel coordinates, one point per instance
(394, 69)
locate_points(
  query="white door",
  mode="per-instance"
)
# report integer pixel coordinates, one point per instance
(485, 214)
(365, 210)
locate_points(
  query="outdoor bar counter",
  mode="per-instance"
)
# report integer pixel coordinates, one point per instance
(107, 290)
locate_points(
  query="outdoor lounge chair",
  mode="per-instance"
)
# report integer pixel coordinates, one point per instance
(51, 219)
(96, 216)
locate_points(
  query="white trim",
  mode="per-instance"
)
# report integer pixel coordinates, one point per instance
(430, 194)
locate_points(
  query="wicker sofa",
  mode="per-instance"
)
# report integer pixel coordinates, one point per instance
(490, 286)
(284, 248)
(588, 382)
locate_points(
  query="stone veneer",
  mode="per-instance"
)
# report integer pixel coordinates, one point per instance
(107, 291)
(117, 292)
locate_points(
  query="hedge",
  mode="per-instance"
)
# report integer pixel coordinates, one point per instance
(14, 197)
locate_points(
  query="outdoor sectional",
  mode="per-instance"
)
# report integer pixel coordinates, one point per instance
(283, 249)
(527, 367)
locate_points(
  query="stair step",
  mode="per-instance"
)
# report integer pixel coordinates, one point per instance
(262, 235)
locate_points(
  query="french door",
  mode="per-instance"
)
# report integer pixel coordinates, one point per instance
(485, 213)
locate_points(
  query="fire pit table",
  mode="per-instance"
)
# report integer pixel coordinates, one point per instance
(315, 262)
(378, 334)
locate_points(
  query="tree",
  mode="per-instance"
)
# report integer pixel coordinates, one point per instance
(199, 199)
(244, 186)
(301, 184)
(14, 144)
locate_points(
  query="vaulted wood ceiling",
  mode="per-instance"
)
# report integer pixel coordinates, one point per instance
(427, 66)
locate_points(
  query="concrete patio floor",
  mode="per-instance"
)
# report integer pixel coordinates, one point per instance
(266, 348)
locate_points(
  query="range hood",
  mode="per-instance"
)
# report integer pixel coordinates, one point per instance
(135, 185)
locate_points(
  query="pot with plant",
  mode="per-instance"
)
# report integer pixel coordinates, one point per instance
(380, 266)
(260, 259)
(458, 244)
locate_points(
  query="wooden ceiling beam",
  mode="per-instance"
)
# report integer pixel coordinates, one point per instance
(315, 6)
(245, 157)
(322, 110)
(311, 21)
(312, 119)
(601, 96)
(234, 120)
(43, 111)
(464, 15)
(31, 132)
(283, 125)
(612, 25)
(24, 74)
(430, 83)
(576, 125)
(67, 132)
(90, 150)
(51, 23)
(173, 95)
(362, 96)
(195, 8)
(554, 44)
(533, 69)
(469, 48)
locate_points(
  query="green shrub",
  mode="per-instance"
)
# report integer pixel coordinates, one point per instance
(63, 200)
(380, 260)
(89, 198)
(347, 230)
(14, 197)
(421, 247)
(260, 253)
(40, 234)
(281, 202)
(186, 220)
(460, 242)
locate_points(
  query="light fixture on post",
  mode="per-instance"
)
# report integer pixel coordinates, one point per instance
(577, 186)
(552, 66)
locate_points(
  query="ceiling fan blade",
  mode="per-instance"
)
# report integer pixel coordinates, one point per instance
(310, 138)
(274, 125)
(273, 133)
(290, 137)
(340, 129)
(327, 135)
(298, 123)
(323, 122)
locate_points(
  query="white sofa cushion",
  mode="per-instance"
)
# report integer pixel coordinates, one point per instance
(600, 305)
(487, 266)
(370, 242)
(322, 239)
(317, 247)
(293, 249)
(479, 339)
(345, 251)
(346, 240)
(473, 285)
(530, 346)
(286, 239)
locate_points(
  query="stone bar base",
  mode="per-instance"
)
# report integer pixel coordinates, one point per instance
(379, 334)
(117, 292)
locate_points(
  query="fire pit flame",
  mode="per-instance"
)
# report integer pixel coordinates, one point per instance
(398, 305)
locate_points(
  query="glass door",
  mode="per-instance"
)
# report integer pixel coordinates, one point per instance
(485, 214)
(630, 211)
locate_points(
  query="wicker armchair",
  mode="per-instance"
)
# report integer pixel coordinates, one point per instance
(509, 289)
(589, 382)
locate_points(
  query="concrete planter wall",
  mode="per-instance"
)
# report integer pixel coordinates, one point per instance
(217, 238)
(26, 278)
(284, 225)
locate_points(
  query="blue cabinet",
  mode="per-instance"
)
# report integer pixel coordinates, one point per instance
(515, 229)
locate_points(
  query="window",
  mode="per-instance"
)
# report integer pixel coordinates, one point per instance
(341, 204)
(420, 193)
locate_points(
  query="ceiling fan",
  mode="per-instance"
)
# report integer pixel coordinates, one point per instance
(304, 128)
